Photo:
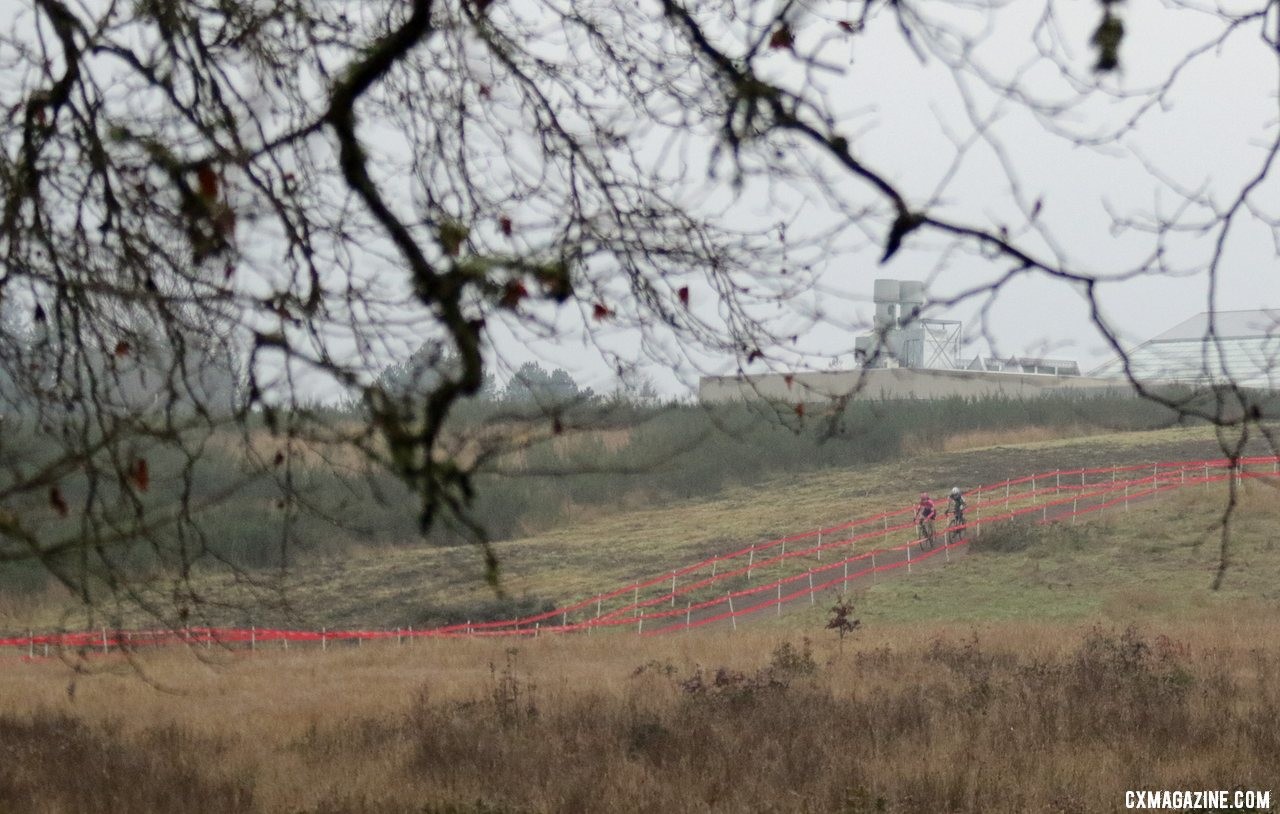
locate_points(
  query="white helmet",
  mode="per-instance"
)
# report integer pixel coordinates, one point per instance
(955, 491)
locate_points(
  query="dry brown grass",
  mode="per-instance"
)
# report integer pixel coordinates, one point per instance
(1014, 717)
(981, 439)
(984, 439)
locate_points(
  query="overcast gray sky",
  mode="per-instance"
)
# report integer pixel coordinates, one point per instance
(906, 117)
(956, 149)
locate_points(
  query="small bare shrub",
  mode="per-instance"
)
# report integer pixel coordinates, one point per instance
(789, 662)
(839, 619)
(654, 667)
(511, 695)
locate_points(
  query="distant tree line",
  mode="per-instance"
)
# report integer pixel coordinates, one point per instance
(531, 384)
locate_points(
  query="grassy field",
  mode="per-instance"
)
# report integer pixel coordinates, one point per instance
(593, 554)
(426, 585)
(1155, 562)
(1051, 668)
(1008, 717)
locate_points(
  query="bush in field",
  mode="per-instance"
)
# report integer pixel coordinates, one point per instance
(791, 661)
(481, 610)
(1022, 534)
(1008, 537)
(51, 761)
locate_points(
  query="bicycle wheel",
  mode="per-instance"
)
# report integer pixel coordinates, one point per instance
(926, 535)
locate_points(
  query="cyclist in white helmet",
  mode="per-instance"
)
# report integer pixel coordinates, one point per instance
(956, 505)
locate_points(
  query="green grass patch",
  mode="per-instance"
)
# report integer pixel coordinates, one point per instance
(1156, 561)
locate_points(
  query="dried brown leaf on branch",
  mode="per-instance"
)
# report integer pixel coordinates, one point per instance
(58, 502)
(140, 474)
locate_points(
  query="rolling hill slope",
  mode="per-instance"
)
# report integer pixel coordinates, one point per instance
(416, 586)
(429, 586)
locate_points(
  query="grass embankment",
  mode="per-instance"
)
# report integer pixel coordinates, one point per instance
(416, 586)
(1017, 717)
(427, 585)
(1156, 561)
(1004, 681)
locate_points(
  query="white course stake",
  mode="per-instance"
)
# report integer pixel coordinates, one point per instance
(908, 559)
(673, 589)
(732, 618)
(778, 604)
(811, 598)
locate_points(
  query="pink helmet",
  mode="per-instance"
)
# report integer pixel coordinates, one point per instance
(924, 496)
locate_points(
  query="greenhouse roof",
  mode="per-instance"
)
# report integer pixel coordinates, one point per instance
(1238, 346)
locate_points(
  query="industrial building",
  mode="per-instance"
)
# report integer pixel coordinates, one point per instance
(907, 356)
(894, 383)
(902, 338)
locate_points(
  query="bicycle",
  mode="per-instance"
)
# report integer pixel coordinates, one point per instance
(955, 529)
(926, 530)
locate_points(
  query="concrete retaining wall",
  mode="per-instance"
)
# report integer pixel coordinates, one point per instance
(895, 383)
